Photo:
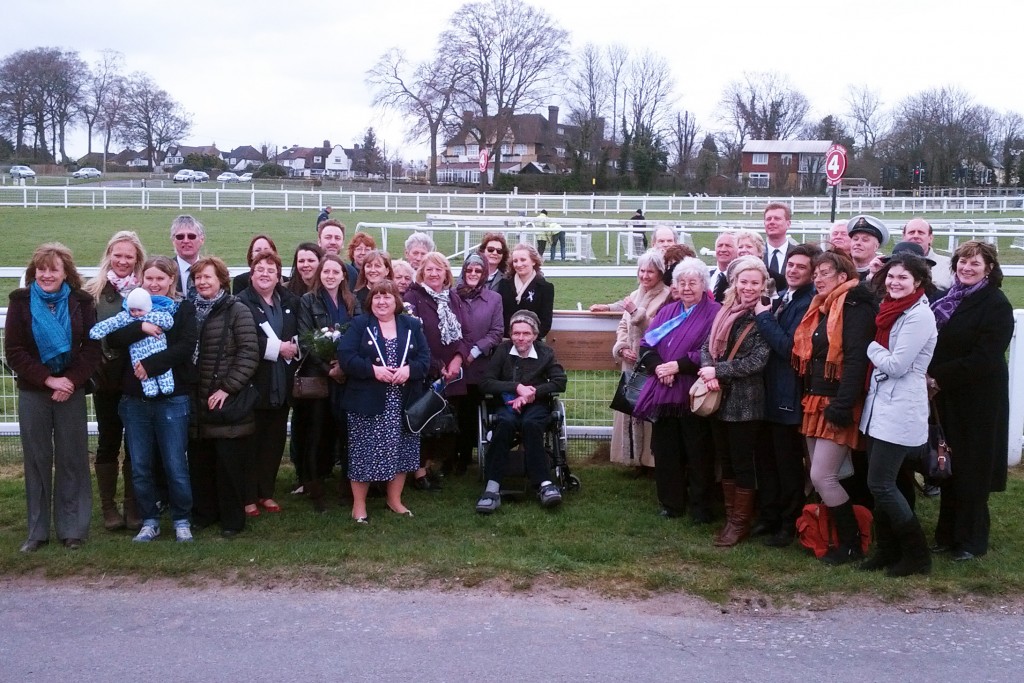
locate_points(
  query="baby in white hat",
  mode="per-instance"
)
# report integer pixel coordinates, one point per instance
(139, 307)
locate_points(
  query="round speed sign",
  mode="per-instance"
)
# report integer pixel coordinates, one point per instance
(835, 164)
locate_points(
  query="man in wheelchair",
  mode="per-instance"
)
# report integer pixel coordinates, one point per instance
(524, 374)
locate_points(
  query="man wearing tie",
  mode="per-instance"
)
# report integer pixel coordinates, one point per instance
(725, 253)
(187, 238)
(780, 463)
(777, 217)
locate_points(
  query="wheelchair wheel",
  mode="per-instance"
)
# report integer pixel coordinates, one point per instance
(483, 434)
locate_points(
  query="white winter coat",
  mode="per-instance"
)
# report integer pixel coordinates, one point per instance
(896, 407)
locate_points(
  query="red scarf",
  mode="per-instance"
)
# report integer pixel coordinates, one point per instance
(889, 311)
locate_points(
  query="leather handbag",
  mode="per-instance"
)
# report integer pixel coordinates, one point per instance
(430, 415)
(308, 387)
(630, 384)
(937, 460)
(703, 401)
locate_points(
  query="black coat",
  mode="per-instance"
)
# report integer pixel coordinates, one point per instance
(505, 372)
(783, 392)
(969, 365)
(539, 297)
(290, 329)
(177, 357)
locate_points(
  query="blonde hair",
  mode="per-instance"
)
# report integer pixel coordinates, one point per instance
(95, 286)
(438, 259)
(741, 265)
(750, 236)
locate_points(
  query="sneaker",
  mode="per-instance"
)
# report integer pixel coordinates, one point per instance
(183, 534)
(146, 534)
(549, 496)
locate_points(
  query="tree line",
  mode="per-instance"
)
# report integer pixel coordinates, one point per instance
(500, 58)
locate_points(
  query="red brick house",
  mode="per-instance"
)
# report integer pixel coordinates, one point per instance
(784, 165)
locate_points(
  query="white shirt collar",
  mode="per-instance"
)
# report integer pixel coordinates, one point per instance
(532, 353)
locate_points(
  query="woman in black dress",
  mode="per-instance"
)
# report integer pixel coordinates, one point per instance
(526, 288)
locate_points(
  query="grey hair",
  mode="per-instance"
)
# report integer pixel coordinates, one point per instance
(400, 264)
(654, 234)
(692, 266)
(420, 238)
(187, 222)
(750, 235)
(653, 258)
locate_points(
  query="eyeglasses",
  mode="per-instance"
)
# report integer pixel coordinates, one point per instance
(494, 250)
(186, 236)
(265, 271)
(823, 274)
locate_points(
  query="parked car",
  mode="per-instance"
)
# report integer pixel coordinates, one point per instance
(245, 178)
(22, 172)
(201, 176)
(184, 176)
(87, 172)
(227, 177)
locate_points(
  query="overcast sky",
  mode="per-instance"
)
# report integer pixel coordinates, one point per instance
(293, 72)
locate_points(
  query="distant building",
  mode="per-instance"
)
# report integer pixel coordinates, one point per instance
(785, 165)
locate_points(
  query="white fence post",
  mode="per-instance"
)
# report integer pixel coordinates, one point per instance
(1016, 421)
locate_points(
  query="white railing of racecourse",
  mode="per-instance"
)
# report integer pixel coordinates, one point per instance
(215, 198)
(589, 392)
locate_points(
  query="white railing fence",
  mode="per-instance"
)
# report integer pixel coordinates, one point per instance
(216, 198)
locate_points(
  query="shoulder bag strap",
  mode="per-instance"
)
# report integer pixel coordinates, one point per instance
(739, 341)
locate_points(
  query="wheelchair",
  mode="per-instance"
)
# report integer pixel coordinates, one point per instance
(514, 484)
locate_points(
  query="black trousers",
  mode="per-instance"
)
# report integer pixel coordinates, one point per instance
(964, 521)
(217, 471)
(734, 445)
(530, 423)
(109, 426)
(781, 474)
(466, 411)
(267, 450)
(685, 468)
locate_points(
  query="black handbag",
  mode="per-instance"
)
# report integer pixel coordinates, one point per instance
(630, 384)
(237, 407)
(937, 459)
(431, 415)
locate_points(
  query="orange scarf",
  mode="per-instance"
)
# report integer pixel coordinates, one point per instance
(832, 306)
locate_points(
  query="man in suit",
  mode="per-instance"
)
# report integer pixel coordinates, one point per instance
(725, 253)
(919, 231)
(187, 238)
(331, 238)
(777, 218)
(780, 462)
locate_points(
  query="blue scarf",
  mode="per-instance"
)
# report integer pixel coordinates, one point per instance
(161, 304)
(663, 330)
(51, 326)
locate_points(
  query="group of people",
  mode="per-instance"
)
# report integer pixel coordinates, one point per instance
(196, 374)
(826, 356)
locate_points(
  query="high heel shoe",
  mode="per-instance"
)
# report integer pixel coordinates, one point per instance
(405, 513)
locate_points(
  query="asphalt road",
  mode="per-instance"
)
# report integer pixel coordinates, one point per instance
(53, 632)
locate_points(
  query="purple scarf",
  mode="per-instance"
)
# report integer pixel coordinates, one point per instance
(657, 400)
(945, 307)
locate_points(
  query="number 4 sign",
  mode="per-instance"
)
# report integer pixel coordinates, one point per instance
(835, 164)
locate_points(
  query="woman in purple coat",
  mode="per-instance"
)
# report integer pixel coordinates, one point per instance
(680, 440)
(482, 327)
(432, 300)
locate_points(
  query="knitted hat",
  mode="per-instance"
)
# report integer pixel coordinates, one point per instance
(139, 298)
(525, 316)
(474, 259)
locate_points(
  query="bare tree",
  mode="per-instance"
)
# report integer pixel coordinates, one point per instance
(150, 117)
(588, 86)
(1008, 142)
(512, 52)
(684, 141)
(618, 58)
(15, 94)
(763, 106)
(864, 110)
(110, 112)
(424, 93)
(100, 85)
(649, 91)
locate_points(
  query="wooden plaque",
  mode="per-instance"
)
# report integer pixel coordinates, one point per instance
(577, 350)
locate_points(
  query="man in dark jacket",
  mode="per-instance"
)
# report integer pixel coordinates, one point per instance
(523, 374)
(780, 462)
(322, 216)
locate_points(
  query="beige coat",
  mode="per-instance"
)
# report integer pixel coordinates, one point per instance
(631, 330)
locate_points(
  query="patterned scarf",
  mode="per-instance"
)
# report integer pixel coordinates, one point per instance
(123, 285)
(451, 330)
(832, 306)
(203, 308)
(945, 307)
(51, 325)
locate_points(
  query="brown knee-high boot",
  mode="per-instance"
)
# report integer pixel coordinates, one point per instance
(106, 482)
(729, 496)
(738, 527)
(131, 510)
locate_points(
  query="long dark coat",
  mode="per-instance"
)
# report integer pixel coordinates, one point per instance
(974, 398)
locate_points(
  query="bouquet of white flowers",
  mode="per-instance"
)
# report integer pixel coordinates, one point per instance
(324, 342)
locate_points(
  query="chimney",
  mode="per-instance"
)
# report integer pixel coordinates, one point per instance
(327, 144)
(467, 117)
(553, 116)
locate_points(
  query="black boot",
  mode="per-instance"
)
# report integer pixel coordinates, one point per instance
(887, 547)
(915, 557)
(849, 549)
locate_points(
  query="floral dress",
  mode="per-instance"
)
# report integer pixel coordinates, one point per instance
(379, 448)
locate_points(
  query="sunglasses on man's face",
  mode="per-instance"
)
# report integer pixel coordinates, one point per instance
(186, 236)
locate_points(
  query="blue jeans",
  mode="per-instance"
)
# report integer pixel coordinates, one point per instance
(158, 428)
